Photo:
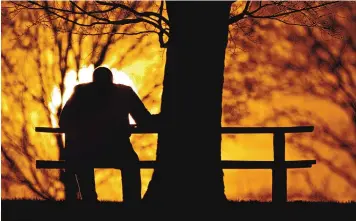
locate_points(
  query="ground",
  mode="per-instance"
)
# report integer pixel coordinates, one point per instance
(50, 210)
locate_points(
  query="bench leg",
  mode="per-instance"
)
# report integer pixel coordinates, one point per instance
(70, 186)
(279, 173)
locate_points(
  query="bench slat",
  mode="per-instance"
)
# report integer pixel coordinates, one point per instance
(224, 130)
(61, 164)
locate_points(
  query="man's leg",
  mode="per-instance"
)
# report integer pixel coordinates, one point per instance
(131, 183)
(86, 182)
(71, 185)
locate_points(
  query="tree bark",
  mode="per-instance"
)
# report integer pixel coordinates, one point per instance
(189, 151)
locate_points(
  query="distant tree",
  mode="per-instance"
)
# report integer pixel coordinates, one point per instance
(28, 87)
(313, 65)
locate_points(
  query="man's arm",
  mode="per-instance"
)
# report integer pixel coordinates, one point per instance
(139, 112)
(68, 115)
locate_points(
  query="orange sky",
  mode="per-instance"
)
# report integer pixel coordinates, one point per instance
(142, 60)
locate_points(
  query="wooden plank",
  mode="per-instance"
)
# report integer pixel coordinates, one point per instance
(224, 130)
(48, 130)
(226, 164)
(263, 130)
(279, 174)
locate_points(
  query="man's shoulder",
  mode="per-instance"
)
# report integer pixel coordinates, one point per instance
(83, 86)
(123, 87)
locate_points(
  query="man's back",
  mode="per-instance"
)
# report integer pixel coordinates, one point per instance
(104, 108)
(99, 118)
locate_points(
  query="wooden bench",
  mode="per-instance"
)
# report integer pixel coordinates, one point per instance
(279, 165)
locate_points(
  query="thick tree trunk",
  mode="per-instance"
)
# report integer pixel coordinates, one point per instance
(189, 153)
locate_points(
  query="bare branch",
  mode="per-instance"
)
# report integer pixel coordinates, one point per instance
(292, 11)
(141, 17)
(102, 22)
(161, 33)
(116, 33)
(140, 14)
(241, 15)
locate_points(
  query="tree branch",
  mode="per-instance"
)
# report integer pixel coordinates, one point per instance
(103, 20)
(241, 15)
(292, 11)
(140, 14)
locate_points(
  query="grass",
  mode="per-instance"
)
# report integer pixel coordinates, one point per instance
(59, 210)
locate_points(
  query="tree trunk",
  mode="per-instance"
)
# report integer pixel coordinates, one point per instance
(189, 153)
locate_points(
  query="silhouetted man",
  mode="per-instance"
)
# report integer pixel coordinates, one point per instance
(96, 122)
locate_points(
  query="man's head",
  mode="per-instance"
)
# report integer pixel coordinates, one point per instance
(102, 75)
